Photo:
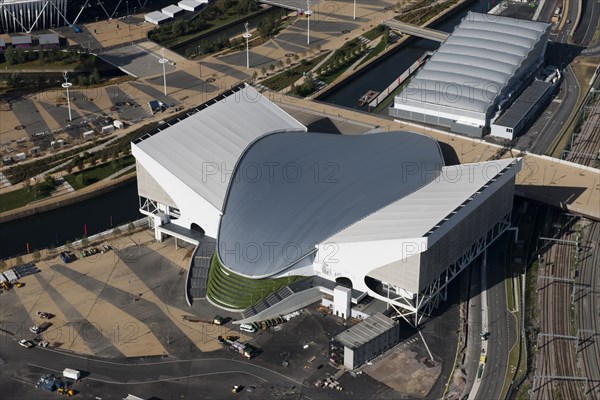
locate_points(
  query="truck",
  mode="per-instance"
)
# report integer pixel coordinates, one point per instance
(245, 349)
(71, 374)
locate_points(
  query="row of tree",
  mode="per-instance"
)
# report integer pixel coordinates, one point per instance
(218, 9)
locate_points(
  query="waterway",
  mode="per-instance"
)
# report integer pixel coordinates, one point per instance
(121, 205)
(382, 74)
(54, 228)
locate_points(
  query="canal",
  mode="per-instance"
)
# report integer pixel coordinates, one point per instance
(54, 228)
(382, 74)
(121, 205)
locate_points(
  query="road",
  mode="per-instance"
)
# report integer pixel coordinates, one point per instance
(179, 378)
(501, 323)
(540, 136)
(589, 21)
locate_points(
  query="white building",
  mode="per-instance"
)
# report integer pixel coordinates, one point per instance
(172, 11)
(476, 71)
(380, 213)
(156, 17)
(27, 15)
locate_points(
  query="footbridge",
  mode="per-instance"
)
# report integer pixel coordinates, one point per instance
(414, 30)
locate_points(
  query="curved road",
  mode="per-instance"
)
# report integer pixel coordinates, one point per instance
(208, 376)
(501, 324)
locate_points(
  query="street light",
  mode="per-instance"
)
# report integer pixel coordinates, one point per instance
(163, 61)
(309, 13)
(247, 36)
(66, 86)
(354, 12)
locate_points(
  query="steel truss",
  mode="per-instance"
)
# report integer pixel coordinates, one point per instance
(60, 12)
(424, 302)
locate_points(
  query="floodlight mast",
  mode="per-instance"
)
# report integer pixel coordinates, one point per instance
(163, 61)
(66, 86)
(247, 36)
(308, 13)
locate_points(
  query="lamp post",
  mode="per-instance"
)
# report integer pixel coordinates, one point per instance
(163, 61)
(66, 86)
(247, 36)
(354, 11)
(308, 13)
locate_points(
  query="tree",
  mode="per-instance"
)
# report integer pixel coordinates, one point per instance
(131, 227)
(272, 67)
(263, 71)
(82, 80)
(117, 231)
(254, 75)
(18, 260)
(94, 77)
(36, 255)
(10, 55)
(288, 61)
(280, 64)
(296, 57)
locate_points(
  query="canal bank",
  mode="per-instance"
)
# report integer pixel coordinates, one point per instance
(378, 73)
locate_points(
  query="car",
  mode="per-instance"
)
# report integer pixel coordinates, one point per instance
(19, 284)
(43, 343)
(26, 343)
(35, 329)
(568, 21)
(45, 315)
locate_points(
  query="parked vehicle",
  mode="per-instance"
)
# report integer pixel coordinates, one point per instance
(45, 315)
(247, 328)
(26, 343)
(71, 374)
(65, 391)
(35, 329)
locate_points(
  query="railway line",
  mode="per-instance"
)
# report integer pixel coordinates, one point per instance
(587, 299)
(556, 374)
(586, 146)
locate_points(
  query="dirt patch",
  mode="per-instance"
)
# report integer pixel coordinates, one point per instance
(406, 373)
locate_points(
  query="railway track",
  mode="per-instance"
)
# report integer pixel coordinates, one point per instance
(585, 148)
(557, 356)
(587, 300)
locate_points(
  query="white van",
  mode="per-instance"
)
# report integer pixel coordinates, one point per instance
(247, 328)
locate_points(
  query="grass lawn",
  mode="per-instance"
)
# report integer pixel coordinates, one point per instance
(374, 33)
(18, 198)
(237, 292)
(390, 99)
(98, 173)
(286, 78)
(375, 51)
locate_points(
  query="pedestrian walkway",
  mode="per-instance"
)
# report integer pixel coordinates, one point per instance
(3, 181)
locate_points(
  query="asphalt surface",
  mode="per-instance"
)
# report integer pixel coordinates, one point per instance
(590, 18)
(542, 133)
(501, 324)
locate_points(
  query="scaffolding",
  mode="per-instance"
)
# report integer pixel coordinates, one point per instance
(413, 310)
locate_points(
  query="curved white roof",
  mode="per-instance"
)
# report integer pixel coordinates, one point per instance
(291, 191)
(478, 59)
(202, 149)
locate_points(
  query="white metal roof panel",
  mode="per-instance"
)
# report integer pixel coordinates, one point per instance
(156, 17)
(416, 214)
(203, 149)
(172, 9)
(480, 57)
